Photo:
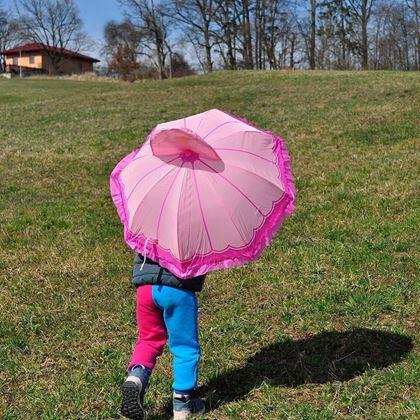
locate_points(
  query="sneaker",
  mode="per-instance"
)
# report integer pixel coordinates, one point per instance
(186, 406)
(132, 391)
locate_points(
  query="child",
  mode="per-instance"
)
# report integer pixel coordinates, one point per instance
(166, 306)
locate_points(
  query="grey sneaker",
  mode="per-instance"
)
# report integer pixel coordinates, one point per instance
(132, 391)
(186, 406)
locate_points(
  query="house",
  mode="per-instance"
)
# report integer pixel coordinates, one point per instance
(37, 59)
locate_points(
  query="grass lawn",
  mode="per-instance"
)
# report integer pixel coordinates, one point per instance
(323, 326)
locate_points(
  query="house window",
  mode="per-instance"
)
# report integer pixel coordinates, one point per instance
(15, 61)
(31, 59)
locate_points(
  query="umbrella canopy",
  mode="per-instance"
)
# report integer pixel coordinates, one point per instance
(204, 192)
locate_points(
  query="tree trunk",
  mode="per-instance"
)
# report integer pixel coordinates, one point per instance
(226, 36)
(161, 57)
(376, 51)
(417, 40)
(313, 36)
(257, 27)
(364, 22)
(171, 60)
(248, 59)
(292, 51)
(209, 62)
(343, 38)
(231, 53)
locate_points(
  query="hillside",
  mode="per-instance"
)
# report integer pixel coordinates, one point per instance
(323, 326)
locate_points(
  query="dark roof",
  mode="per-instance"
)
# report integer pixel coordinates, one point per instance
(42, 47)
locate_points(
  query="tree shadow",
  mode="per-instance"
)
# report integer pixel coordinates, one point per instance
(321, 358)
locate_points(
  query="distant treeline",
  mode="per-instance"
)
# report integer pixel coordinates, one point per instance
(267, 34)
(168, 38)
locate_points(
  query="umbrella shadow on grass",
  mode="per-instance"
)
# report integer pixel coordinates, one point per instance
(317, 359)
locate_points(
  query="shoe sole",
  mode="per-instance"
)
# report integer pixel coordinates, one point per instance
(131, 406)
(177, 415)
(181, 415)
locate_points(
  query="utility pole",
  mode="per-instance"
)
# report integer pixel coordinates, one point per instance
(20, 63)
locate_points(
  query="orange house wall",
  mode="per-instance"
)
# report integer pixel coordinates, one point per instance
(42, 61)
(24, 60)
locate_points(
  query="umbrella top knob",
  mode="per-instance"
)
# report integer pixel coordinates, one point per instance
(189, 156)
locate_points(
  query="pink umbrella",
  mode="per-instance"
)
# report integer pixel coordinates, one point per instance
(203, 193)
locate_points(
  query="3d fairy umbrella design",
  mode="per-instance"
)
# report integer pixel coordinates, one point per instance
(204, 192)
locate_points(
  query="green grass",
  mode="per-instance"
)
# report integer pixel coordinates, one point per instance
(323, 326)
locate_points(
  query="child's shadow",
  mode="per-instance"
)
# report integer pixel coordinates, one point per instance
(325, 357)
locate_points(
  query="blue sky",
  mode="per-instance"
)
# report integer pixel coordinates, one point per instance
(94, 13)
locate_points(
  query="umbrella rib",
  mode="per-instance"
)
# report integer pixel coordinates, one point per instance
(234, 186)
(142, 156)
(243, 151)
(222, 204)
(139, 157)
(220, 125)
(201, 208)
(257, 175)
(150, 190)
(202, 118)
(177, 219)
(166, 197)
(148, 173)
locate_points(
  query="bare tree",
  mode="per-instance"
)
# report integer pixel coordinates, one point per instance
(123, 34)
(258, 18)
(122, 49)
(8, 29)
(312, 42)
(293, 39)
(394, 41)
(152, 19)
(242, 30)
(234, 32)
(197, 17)
(274, 34)
(306, 24)
(336, 28)
(362, 10)
(54, 23)
(270, 32)
(247, 38)
(226, 33)
(413, 5)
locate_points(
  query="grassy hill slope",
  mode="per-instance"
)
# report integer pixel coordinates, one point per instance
(323, 326)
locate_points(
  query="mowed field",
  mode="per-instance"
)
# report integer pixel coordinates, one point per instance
(323, 326)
